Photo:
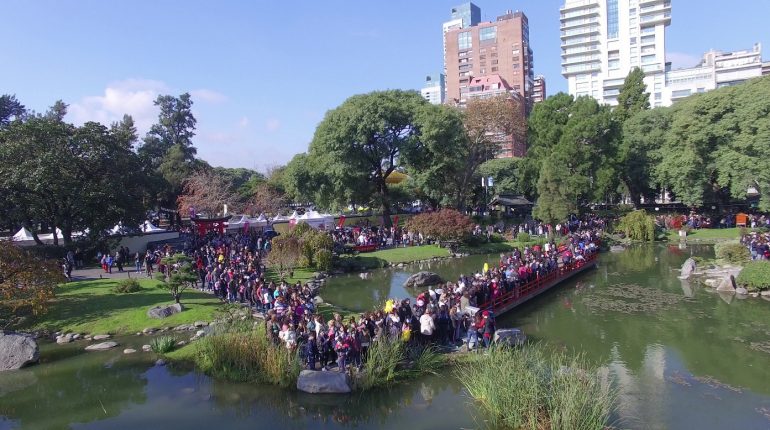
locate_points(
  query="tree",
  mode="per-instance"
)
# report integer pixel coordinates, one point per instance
(266, 200)
(445, 224)
(73, 178)
(178, 275)
(168, 148)
(557, 199)
(206, 191)
(285, 254)
(360, 143)
(505, 172)
(27, 284)
(633, 97)
(644, 133)
(10, 109)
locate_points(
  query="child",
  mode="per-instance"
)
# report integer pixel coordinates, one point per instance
(311, 351)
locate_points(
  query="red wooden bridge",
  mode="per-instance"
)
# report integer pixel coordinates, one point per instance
(539, 285)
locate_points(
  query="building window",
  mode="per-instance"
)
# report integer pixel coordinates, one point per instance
(488, 33)
(632, 11)
(464, 40)
(633, 41)
(632, 22)
(613, 64)
(658, 96)
(648, 39)
(648, 59)
(494, 69)
(612, 19)
(658, 86)
(677, 94)
(494, 61)
(483, 71)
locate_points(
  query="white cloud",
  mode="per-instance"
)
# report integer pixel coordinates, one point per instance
(273, 124)
(681, 60)
(208, 96)
(243, 122)
(134, 97)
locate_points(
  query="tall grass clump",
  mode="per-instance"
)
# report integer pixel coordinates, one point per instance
(163, 344)
(530, 388)
(388, 360)
(126, 286)
(247, 356)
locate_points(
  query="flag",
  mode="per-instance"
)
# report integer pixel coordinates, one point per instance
(395, 220)
(342, 221)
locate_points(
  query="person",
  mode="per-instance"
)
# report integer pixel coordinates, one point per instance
(311, 351)
(108, 261)
(489, 329)
(427, 326)
(138, 262)
(67, 267)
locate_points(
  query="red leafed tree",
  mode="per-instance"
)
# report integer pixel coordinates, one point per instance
(446, 224)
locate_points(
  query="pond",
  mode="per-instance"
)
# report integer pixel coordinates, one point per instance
(680, 356)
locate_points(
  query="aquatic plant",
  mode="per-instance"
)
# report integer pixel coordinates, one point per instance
(388, 360)
(247, 356)
(163, 344)
(532, 388)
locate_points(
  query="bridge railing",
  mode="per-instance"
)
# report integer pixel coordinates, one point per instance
(533, 286)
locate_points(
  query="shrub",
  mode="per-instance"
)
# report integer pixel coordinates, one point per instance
(523, 237)
(126, 286)
(732, 252)
(163, 344)
(530, 388)
(446, 224)
(637, 225)
(755, 275)
(323, 259)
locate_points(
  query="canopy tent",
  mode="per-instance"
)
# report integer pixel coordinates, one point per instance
(148, 227)
(245, 222)
(280, 218)
(205, 225)
(49, 236)
(22, 235)
(318, 220)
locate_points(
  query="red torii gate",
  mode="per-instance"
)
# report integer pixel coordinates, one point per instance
(206, 225)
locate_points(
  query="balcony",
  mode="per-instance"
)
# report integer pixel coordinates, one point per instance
(578, 5)
(577, 51)
(653, 20)
(580, 31)
(655, 8)
(593, 11)
(578, 69)
(575, 41)
(578, 22)
(581, 59)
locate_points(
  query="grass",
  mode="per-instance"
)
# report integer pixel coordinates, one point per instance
(247, 355)
(163, 344)
(531, 388)
(302, 274)
(92, 307)
(498, 247)
(707, 235)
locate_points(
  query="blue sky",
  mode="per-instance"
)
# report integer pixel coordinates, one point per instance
(262, 74)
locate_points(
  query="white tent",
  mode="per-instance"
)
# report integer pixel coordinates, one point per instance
(318, 220)
(294, 215)
(49, 236)
(280, 218)
(148, 227)
(262, 218)
(22, 235)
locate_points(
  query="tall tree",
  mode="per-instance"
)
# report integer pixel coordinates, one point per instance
(633, 95)
(361, 142)
(10, 109)
(207, 191)
(644, 133)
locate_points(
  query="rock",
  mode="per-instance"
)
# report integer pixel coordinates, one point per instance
(510, 336)
(149, 330)
(755, 295)
(184, 327)
(617, 248)
(741, 291)
(160, 362)
(102, 346)
(65, 338)
(727, 284)
(423, 279)
(713, 283)
(76, 336)
(101, 337)
(318, 300)
(315, 382)
(199, 324)
(146, 348)
(160, 312)
(200, 333)
(687, 268)
(87, 337)
(17, 350)
(181, 343)
(129, 351)
(765, 293)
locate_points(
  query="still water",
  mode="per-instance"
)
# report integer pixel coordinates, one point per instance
(681, 357)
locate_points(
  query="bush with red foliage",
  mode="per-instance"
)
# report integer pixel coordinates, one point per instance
(446, 224)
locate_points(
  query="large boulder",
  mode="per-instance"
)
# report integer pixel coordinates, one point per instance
(160, 312)
(17, 350)
(687, 268)
(315, 382)
(423, 279)
(510, 336)
(101, 346)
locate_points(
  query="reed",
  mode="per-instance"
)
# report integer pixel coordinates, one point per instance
(388, 360)
(532, 388)
(163, 344)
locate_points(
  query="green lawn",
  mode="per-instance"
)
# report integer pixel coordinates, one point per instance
(707, 235)
(92, 307)
(411, 253)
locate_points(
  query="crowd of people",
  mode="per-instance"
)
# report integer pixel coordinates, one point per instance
(758, 244)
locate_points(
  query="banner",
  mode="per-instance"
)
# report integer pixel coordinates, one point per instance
(342, 221)
(395, 221)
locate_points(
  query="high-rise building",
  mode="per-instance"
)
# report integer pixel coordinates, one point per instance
(433, 90)
(766, 68)
(716, 70)
(538, 89)
(489, 48)
(468, 13)
(489, 86)
(603, 40)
